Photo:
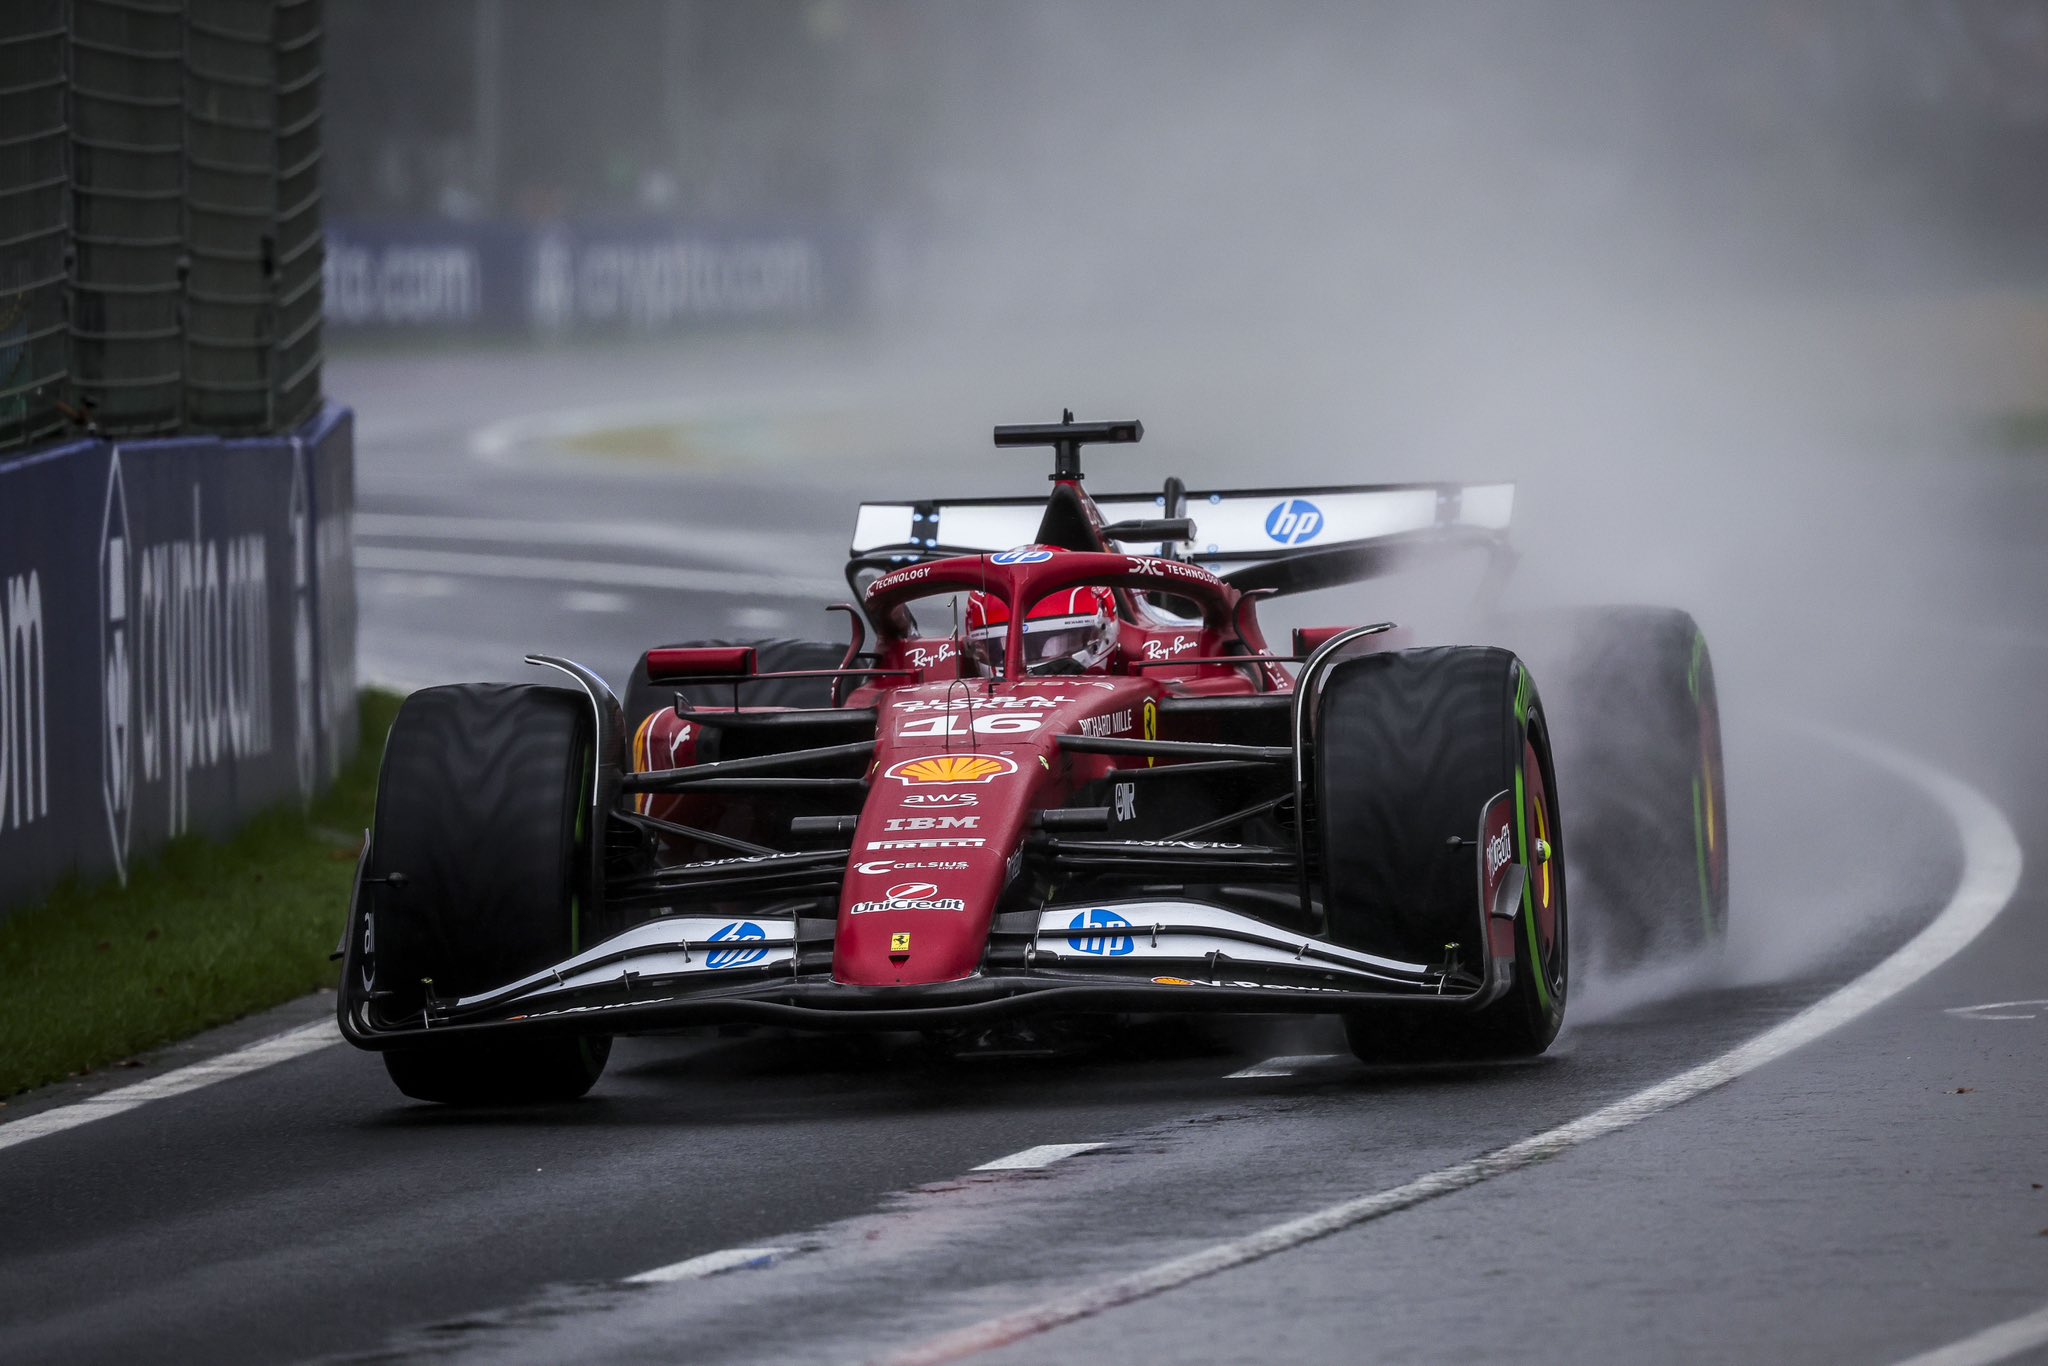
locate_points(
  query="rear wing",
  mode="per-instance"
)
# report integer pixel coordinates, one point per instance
(1287, 540)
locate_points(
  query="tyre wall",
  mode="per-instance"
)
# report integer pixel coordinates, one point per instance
(177, 642)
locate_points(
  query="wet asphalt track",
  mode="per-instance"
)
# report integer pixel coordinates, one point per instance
(1870, 1196)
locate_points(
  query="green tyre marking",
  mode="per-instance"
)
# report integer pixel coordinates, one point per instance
(1699, 844)
(1529, 895)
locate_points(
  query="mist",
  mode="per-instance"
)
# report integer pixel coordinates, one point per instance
(1714, 284)
(1737, 294)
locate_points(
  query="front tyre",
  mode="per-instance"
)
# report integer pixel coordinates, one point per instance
(494, 1072)
(472, 881)
(1413, 749)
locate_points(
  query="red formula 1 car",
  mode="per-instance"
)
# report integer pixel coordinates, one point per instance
(1058, 772)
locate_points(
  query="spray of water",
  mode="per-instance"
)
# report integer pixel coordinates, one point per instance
(1646, 262)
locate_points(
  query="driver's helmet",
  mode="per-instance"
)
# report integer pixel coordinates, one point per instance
(1067, 632)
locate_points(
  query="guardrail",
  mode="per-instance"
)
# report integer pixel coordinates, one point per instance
(177, 641)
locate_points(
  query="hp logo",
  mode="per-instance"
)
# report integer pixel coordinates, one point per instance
(1021, 555)
(1097, 943)
(740, 931)
(1294, 521)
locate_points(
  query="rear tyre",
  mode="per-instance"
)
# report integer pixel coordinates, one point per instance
(1412, 747)
(642, 699)
(481, 830)
(1639, 739)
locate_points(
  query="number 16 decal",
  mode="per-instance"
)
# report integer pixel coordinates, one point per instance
(1002, 723)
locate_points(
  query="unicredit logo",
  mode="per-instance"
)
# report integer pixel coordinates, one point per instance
(1498, 850)
(910, 896)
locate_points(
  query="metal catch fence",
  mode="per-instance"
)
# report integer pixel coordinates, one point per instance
(34, 340)
(160, 241)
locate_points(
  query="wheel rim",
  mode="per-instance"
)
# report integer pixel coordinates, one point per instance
(1546, 879)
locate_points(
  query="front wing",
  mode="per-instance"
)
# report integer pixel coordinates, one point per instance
(1130, 956)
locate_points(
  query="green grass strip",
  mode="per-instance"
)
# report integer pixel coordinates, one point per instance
(204, 933)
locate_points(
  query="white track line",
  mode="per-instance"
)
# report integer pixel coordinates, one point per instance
(1997, 1343)
(605, 573)
(711, 1264)
(1284, 1066)
(293, 1043)
(1991, 873)
(1044, 1155)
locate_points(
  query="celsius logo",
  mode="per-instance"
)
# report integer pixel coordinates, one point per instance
(883, 865)
(1293, 521)
(1099, 944)
(1499, 850)
(1021, 555)
(117, 687)
(738, 932)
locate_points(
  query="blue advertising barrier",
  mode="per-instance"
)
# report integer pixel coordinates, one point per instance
(177, 642)
(632, 275)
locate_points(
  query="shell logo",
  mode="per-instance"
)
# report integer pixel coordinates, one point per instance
(950, 768)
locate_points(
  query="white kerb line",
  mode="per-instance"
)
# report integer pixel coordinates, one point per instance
(711, 1264)
(293, 1043)
(1284, 1066)
(1997, 1343)
(1044, 1155)
(1991, 873)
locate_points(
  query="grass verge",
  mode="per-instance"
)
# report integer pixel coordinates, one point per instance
(203, 933)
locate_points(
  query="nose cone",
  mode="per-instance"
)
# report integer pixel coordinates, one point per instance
(931, 857)
(959, 772)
